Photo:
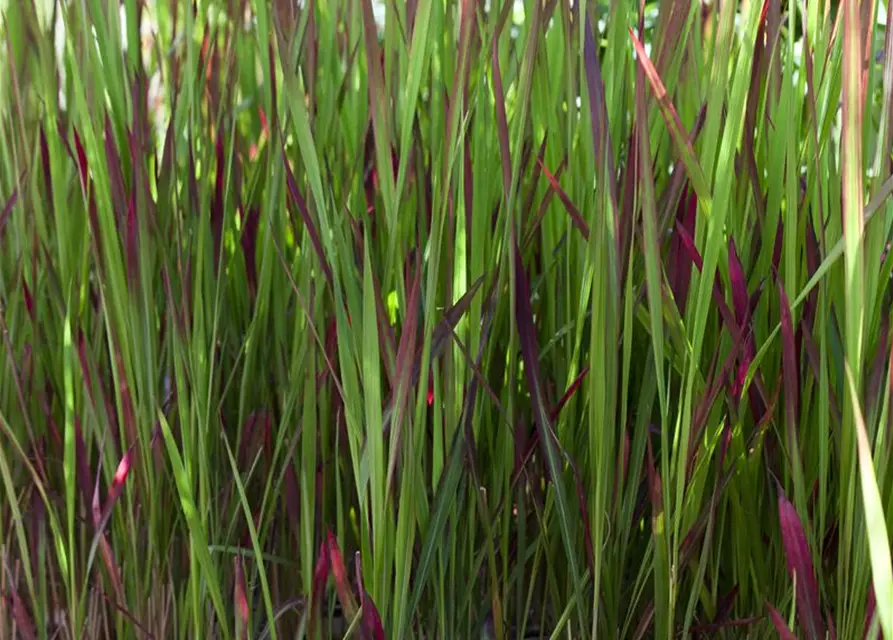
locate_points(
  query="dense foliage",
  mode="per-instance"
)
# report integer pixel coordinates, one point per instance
(445, 319)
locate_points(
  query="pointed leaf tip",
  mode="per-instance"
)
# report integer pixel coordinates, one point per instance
(240, 597)
(371, 620)
(779, 623)
(799, 561)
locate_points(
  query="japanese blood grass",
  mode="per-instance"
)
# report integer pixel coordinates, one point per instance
(445, 319)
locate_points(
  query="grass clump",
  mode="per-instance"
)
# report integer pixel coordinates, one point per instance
(445, 319)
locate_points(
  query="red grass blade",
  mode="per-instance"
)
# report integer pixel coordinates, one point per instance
(116, 177)
(687, 243)
(451, 317)
(644, 622)
(543, 207)
(780, 625)
(569, 206)
(126, 401)
(292, 502)
(674, 124)
(249, 247)
(47, 166)
(131, 241)
(799, 561)
(83, 171)
(320, 574)
(20, 615)
(339, 573)
(529, 351)
(29, 300)
(371, 620)
(217, 203)
(403, 375)
(468, 192)
(253, 435)
(501, 122)
(118, 481)
(571, 390)
(7, 210)
(598, 112)
(82, 468)
(304, 212)
(655, 491)
(81, 160)
(679, 262)
(869, 614)
(239, 596)
(738, 285)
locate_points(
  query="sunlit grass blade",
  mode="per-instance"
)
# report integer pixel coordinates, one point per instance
(875, 521)
(199, 544)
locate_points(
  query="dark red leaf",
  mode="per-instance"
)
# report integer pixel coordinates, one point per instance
(82, 161)
(726, 604)
(442, 332)
(339, 574)
(572, 210)
(321, 572)
(501, 122)
(530, 353)
(405, 353)
(370, 623)
(644, 622)
(239, 596)
(299, 201)
(126, 401)
(47, 166)
(737, 284)
(687, 243)
(776, 251)
(7, 209)
(217, 203)
(543, 207)
(191, 182)
(253, 435)
(655, 490)
(82, 466)
(799, 562)
(116, 176)
(870, 606)
(626, 213)
(877, 370)
(680, 261)
(292, 503)
(780, 625)
(571, 390)
(273, 90)
(249, 247)
(131, 242)
(468, 188)
(524, 450)
(598, 113)
(20, 615)
(117, 486)
(584, 514)
(29, 301)
(812, 264)
(85, 185)
(712, 629)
